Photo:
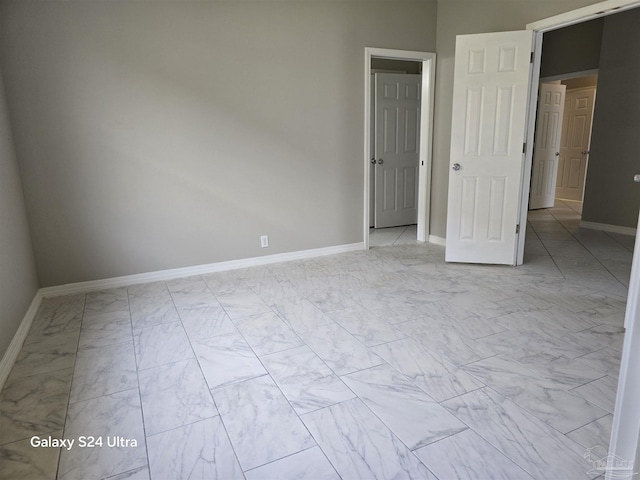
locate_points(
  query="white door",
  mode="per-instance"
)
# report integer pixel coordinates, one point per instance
(397, 149)
(576, 138)
(547, 146)
(490, 97)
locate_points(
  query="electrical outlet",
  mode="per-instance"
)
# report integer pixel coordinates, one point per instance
(264, 241)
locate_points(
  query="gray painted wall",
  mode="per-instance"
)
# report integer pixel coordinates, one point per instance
(18, 283)
(396, 65)
(456, 17)
(580, 82)
(155, 135)
(572, 49)
(611, 196)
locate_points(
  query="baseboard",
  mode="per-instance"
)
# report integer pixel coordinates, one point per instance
(608, 228)
(124, 281)
(11, 355)
(437, 240)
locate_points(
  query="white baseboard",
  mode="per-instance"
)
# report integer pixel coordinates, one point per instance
(82, 287)
(437, 240)
(10, 356)
(608, 228)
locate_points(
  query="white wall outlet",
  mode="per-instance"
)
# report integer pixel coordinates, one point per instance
(264, 241)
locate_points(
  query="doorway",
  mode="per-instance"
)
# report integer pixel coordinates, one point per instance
(560, 68)
(563, 137)
(395, 139)
(427, 62)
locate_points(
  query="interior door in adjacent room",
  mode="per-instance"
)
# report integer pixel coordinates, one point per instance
(576, 138)
(490, 104)
(397, 127)
(547, 145)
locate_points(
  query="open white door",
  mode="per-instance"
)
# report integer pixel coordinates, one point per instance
(547, 146)
(490, 100)
(397, 148)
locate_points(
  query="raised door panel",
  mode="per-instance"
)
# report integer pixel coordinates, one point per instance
(411, 138)
(390, 131)
(573, 180)
(409, 187)
(389, 189)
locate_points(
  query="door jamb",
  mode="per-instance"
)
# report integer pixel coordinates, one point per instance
(428, 60)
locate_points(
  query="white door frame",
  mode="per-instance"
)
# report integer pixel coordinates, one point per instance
(426, 133)
(626, 420)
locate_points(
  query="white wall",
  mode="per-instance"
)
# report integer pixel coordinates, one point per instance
(156, 135)
(18, 283)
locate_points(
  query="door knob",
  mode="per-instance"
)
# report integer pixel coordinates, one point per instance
(636, 178)
(585, 152)
(380, 162)
(558, 154)
(456, 166)
(373, 160)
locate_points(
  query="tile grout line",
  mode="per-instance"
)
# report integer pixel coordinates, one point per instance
(135, 356)
(66, 412)
(588, 249)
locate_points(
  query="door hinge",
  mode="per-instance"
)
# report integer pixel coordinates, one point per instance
(524, 147)
(517, 229)
(531, 61)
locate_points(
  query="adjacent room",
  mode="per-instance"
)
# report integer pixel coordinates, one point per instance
(185, 290)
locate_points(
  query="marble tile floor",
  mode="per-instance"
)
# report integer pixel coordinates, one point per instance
(385, 237)
(384, 364)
